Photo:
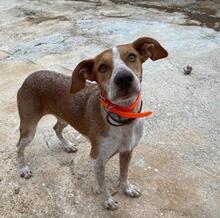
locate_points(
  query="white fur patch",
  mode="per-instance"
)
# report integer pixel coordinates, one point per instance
(121, 139)
(125, 138)
(118, 66)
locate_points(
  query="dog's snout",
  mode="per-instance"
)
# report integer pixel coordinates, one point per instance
(124, 80)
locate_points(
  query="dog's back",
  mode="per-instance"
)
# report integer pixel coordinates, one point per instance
(48, 92)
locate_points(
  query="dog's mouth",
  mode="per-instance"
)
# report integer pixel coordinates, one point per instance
(126, 94)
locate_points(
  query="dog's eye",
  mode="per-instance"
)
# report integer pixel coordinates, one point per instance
(102, 68)
(132, 57)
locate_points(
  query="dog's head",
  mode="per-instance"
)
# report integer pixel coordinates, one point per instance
(118, 71)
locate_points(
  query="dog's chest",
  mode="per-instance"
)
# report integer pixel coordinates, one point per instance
(122, 139)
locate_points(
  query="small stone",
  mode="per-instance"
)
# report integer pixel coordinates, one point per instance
(187, 70)
(216, 25)
(156, 170)
(194, 22)
(43, 184)
(16, 190)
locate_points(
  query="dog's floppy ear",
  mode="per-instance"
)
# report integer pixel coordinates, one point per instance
(149, 48)
(83, 71)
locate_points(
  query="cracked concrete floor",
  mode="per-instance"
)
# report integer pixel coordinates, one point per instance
(177, 164)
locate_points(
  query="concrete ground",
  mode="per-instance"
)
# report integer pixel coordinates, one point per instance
(177, 164)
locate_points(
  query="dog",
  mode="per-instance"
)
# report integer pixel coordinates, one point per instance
(101, 100)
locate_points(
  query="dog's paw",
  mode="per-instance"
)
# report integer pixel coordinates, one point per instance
(131, 190)
(25, 172)
(110, 203)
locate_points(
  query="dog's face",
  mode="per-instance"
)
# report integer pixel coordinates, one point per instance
(118, 71)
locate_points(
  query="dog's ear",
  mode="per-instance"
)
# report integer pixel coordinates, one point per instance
(149, 48)
(83, 71)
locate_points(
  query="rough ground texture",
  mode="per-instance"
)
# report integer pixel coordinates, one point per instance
(177, 164)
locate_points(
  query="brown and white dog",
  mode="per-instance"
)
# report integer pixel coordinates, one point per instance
(75, 101)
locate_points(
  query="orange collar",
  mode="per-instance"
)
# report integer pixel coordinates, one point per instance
(125, 112)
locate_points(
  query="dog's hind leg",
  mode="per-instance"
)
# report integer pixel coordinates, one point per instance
(27, 132)
(30, 112)
(58, 128)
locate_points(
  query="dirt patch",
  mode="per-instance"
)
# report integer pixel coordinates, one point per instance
(37, 17)
(198, 13)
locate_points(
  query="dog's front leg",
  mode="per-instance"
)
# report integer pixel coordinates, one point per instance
(99, 171)
(129, 189)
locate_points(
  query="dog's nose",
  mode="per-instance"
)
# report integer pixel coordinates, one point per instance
(124, 80)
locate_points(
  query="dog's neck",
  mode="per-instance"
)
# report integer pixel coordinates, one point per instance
(132, 105)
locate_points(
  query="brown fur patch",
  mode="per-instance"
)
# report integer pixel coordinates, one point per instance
(135, 66)
(102, 78)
